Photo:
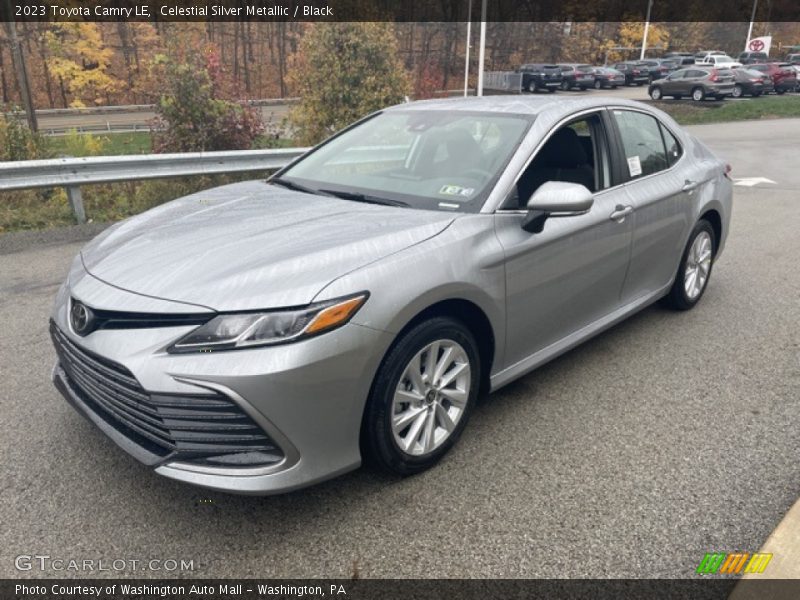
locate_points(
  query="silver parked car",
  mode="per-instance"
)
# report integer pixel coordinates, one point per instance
(263, 336)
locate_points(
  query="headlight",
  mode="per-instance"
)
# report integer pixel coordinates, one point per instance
(245, 330)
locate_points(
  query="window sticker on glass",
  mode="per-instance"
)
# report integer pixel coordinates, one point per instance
(456, 190)
(634, 166)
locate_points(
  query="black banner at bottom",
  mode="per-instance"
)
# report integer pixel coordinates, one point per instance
(390, 589)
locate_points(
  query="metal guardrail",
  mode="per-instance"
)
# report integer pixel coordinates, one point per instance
(71, 173)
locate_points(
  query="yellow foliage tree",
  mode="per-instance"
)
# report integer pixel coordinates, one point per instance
(630, 35)
(81, 60)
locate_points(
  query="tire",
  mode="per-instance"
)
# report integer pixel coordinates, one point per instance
(565, 85)
(598, 85)
(532, 87)
(738, 91)
(656, 94)
(698, 94)
(678, 297)
(404, 451)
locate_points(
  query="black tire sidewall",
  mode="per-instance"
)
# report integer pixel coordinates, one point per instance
(677, 297)
(378, 441)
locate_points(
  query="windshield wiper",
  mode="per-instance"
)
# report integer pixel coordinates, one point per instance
(291, 185)
(358, 197)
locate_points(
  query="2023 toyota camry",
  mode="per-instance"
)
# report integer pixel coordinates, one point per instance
(263, 336)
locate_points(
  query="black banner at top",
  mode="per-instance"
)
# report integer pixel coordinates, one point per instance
(401, 10)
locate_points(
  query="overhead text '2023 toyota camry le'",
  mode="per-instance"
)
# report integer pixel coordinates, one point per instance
(263, 336)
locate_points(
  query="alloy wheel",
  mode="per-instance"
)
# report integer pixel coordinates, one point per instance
(698, 264)
(430, 397)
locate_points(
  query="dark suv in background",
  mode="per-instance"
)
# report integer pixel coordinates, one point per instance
(698, 82)
(682, 58)
(576, 76)
(636, 73)
(658, 68)
(749, 58)
(537, 77)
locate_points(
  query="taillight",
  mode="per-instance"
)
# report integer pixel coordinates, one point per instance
(714, 76)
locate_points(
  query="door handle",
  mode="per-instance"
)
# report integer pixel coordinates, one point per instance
(620, 212)
(689, 185)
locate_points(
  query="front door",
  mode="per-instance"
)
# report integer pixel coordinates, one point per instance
(571, 273)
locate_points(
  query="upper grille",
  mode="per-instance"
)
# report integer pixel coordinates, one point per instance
(209, 429)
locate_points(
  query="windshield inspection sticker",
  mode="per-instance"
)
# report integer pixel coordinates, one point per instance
(634, 166)
(456, 190)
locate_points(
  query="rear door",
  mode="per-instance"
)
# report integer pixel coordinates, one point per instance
(659, 192)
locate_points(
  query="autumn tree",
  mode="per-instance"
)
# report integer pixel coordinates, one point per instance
(79, 59)
(344, 71)
(192, 113)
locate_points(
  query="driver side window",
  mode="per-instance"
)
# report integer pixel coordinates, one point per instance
(575, 153)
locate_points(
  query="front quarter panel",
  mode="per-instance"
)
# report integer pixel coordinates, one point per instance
(465, 262)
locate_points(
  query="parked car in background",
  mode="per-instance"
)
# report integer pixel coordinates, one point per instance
(701, 54)
(576, 76)
(536, 77)
(722, 61)
(793, 58)
(697, 82)
(784, 76)
(607, 78)
(263, 336)
(749, 82)
(636, 73)
(657, 68)
(748, 58)
(682, 58)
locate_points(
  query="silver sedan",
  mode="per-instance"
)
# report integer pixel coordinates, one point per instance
(264, 336)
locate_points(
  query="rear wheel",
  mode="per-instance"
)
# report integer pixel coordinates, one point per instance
(655, 93)
(738, 91)
(565, 85)
(532, 87)
(422, 396)
(698, 94)
(598, 84)
(694, 270)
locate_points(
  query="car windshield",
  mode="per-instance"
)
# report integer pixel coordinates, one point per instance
(428, 159)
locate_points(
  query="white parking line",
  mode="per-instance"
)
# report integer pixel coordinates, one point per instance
(751, 181)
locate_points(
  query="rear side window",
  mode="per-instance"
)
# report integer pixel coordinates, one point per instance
(673, 147)
(642, 143)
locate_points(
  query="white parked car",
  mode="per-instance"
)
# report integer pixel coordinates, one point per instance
(722, 61)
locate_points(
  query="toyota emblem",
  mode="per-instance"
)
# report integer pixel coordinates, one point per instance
(81, 318)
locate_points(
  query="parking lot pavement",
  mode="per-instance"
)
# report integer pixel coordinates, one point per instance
(666, 437)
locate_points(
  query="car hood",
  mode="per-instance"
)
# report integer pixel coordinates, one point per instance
(251, 245)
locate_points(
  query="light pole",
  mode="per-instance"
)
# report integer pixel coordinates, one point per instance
(469, 40)
(750, 29)
(482, 49)
(646, 29)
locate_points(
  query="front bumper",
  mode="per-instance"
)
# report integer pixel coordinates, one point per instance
(307, 397)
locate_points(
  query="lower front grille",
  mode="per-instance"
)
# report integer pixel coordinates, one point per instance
(207, 429)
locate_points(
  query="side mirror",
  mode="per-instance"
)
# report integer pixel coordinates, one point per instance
(556, 199)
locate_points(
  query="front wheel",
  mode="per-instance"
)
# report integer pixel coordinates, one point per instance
(422, 396)
(698, 94)
(598, 84)
(695, 268)
(565, 85)
(655, 93)
(532, 87)
(738, 91)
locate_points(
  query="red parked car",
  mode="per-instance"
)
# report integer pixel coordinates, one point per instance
(783, 75)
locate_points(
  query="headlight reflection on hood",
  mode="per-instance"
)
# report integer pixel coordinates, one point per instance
(246, 330)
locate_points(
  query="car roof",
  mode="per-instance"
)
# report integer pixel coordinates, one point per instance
(516, 104)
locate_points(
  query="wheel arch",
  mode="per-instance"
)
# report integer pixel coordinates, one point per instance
(715, 220)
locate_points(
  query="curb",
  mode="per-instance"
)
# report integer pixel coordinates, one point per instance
(784, 545)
